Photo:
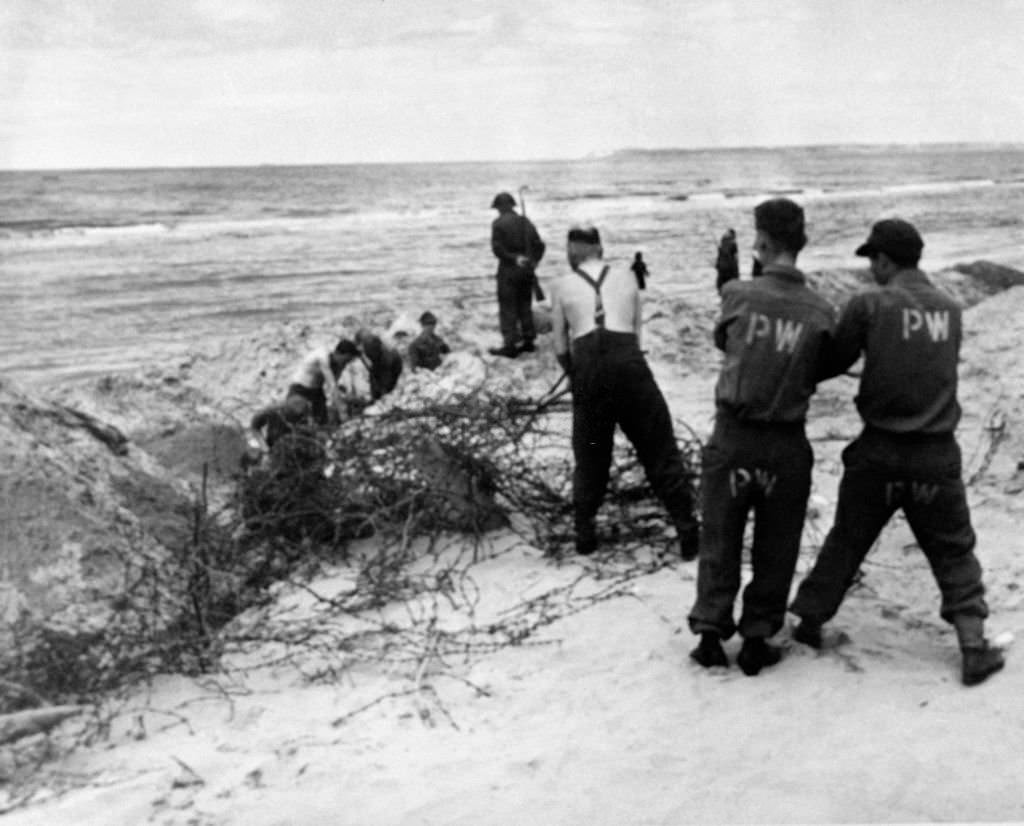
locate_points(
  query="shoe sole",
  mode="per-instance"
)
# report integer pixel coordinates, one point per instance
(981, 676)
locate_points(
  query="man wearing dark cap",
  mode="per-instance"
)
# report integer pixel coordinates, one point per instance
(428, 349)
(518, 248)
(907, 457)
(314, 382)
(597, 327)
(774, 331)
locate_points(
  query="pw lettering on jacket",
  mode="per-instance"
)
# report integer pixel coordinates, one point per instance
(934, 322)
(783, 332)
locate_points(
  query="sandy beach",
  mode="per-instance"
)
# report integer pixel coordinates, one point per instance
(382, 620)
(599, 716)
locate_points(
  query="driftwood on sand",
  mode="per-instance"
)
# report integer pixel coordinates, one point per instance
(20, 724)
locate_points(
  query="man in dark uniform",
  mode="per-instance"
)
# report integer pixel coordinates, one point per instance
(596, 322)
(518, 248)
(428, 349)
(907, 456)
(774, 331)
(727, 263)
(383, 363)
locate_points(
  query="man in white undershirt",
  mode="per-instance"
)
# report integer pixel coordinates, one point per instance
(597, 332)
(313, 383)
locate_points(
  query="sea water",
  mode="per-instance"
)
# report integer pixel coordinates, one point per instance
(108, 270)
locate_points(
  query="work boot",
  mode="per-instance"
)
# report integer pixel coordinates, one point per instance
(756, 654)
(980, 663)
(688, 534)
(808, 632)
(709, 652)
(586, 537)
(507, 350)
(970, 630)
(527, 346)
(980, 660)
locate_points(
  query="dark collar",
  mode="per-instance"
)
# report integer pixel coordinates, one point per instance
(784, 271)
(911, 275)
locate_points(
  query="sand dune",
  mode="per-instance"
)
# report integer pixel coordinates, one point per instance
(600, 718)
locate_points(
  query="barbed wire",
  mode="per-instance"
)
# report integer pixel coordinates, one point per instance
(406, 503)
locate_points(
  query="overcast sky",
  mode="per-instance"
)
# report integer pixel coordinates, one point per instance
(97, 83)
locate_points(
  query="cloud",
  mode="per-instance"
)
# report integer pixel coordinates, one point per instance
(255, 12)
(317, 80)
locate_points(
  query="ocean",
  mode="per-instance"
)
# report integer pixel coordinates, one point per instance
(106, 271)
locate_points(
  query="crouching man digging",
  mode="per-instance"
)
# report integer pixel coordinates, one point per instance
(774, 331)
(597, 327)
(907, 457)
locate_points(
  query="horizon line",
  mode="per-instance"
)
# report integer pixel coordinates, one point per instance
(591, 156)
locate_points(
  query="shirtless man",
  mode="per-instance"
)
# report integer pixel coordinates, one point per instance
(597, 329)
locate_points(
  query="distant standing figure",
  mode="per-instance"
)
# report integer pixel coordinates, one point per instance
(639, 269)
(428, 349)
(313, 382)
(597, 327)
(727, 263)
(518, 248)
(384, 363)
(907, 457)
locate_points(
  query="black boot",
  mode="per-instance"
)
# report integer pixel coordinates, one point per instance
(808, 632)
(756, 654)
(709, 652)
(508, 351)
(980, 660)
(980, 663)
(527, 346)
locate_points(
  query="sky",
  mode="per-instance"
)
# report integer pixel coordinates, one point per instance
(127, 83)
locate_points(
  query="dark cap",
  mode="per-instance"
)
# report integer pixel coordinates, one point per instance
(896, 238)
(503, 199)
(782, 220)
(428, 318)
(346, 347)
(584, 235)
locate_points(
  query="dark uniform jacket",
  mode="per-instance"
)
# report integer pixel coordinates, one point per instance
(512, 235)
(385, 367)
(910, 333)
(426, 350)
(727, 263)
(775, 332)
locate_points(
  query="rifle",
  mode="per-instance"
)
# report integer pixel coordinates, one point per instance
(538, 293)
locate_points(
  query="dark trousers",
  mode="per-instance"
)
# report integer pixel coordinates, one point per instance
(884, 473)
(515, 305)
(612, 385)
(767, 469)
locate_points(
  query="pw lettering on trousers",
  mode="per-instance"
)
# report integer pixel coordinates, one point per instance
(741, 478)
(923, 493)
